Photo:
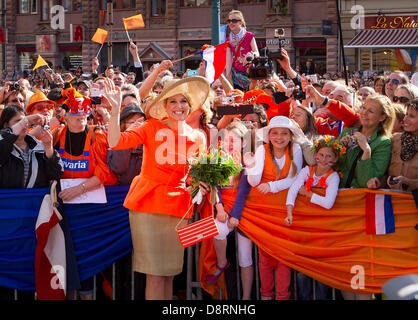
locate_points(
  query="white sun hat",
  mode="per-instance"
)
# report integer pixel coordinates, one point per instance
(280, 122)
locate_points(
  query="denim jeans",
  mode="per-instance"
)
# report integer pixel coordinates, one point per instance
(304, 284)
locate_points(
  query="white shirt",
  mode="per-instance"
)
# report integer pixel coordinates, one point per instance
(326, 201)
(255, 173)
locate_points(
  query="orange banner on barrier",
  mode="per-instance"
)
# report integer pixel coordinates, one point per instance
(332, 246)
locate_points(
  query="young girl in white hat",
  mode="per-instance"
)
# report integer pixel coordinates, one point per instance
(274, 168)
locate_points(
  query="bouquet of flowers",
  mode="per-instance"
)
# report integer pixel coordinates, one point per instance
(213, 167)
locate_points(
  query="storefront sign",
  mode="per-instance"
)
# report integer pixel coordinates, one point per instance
(77, 33)
(391, 22)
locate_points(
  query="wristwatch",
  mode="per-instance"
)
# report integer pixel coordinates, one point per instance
(325, 101)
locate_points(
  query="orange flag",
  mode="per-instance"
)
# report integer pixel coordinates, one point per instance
(100, 36)
(40, 63)
(133, 22)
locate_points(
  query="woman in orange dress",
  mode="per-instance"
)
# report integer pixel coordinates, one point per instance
(157, 199)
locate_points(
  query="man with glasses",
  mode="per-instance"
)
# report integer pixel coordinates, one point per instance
(395, 79)
(40, 104)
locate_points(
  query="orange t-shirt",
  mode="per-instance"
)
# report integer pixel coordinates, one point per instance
(161, 185)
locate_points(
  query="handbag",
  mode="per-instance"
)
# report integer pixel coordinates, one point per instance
(197, 231)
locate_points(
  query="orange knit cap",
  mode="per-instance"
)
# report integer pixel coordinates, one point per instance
(251, 95)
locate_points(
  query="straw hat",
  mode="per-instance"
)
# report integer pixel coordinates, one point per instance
(280, 122)
(195, 89)
(38, 96)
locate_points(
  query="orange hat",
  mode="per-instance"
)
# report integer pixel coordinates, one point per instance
(266, 99)
(38, 96)
(251, 95)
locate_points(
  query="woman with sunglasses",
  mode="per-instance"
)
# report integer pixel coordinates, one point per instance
(404, 93)
(240, 45)
(83, 150)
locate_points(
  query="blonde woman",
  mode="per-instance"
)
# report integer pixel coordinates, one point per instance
(157, 199)
(368, 147)
(240, 44)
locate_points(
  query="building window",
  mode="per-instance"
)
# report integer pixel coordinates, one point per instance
(34, 6)
(118, 4)
(195, 3)
(158, 8)
(279, 6)
(71, 5)
(28, 6)
(251, 1)
(46, 9)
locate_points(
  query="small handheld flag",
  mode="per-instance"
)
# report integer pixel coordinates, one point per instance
(40, 63)
(100, 36)
(133, 22)
(215, 60)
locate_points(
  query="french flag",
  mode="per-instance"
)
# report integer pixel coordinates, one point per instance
(50, 256)
(215, 60)
(379, 214)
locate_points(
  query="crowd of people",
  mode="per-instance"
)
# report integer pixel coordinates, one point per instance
(301, 132)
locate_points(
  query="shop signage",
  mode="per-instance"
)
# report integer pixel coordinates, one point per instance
(76, 33)
(391, 22)
(276, 42)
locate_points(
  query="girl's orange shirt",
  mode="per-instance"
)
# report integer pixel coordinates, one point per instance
(161, 186)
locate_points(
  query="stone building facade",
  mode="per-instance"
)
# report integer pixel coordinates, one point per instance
(173, 29)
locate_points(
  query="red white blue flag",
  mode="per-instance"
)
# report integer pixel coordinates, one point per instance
(379, 214)
(50, 257)
(215, 60)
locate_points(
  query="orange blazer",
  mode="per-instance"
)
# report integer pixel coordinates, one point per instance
(161, 185)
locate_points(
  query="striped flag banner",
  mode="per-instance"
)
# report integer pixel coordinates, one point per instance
(215, 60)
(198, 231)
(379, 214)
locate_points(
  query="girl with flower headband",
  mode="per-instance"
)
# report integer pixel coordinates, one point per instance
(327, 152)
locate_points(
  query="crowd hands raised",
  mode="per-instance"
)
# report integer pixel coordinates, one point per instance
(311, 130)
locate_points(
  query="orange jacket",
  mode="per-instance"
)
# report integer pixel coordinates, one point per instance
(161, 185)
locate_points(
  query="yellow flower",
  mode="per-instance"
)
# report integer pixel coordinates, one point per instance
(316, 143)
(327, 139)
(343, 150)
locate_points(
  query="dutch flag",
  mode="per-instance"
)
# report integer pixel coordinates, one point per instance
(215, 60)
(379, 214)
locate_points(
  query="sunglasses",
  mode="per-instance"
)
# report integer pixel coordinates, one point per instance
(77, 108)
(401, 99)
(232, 20)
(394, 81)
(42, 107)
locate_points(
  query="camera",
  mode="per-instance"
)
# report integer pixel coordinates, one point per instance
(392, 181)
(298, 95)
(15, 86)
(228, 100)
(96, 100)
(277, 54)
(261, 67)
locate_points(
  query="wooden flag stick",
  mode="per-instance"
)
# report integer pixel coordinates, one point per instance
(128, 35)
(192, 55)
(99, 50)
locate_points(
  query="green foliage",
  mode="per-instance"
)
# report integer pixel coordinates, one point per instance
(213, 167)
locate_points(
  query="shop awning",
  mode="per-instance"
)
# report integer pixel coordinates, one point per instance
(385, 38)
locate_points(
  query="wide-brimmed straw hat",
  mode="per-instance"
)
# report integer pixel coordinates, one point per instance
(280, 122)
(195, 89)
